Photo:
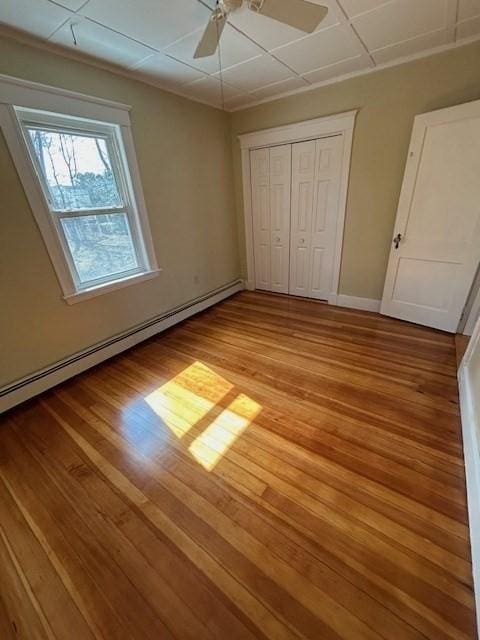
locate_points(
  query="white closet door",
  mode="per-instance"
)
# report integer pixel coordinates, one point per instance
(303, 176)
(271, 182)
(316, 167)
(260, 168)
(280, 185)
(328, 160)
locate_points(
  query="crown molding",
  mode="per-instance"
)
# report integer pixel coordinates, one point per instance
(25, 38)
(354, 74)
(33, 41)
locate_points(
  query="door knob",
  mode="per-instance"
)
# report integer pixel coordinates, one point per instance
(277, 239)
(302, 241)
(396, 240)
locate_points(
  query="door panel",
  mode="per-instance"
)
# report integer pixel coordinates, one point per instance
(322, 205)
(300, 283)
(303, 175)
(280, 185)
(430, 273)
(317, 271)
(271, 183)
(434, 283)
(260, 168)
(325, 212)
(316, 167)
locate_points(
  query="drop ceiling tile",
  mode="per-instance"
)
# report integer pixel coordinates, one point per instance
(256, 73)
(208, 89)
(468, 9)
(156, 23)
(279, 87)
(167, 72)
(468, 28)
(271, 34)
(415, 45)
(38, 17)
(234, 48)
(320, 49)
(100, 42)
(356, 7)
(339, 69)
(73, 5)
(401, 20)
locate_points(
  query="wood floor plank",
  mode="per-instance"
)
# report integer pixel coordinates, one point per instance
(273, 468)
(59, 612)
(84, 487)
(189, 475)
(246, 458)
(330, 475)
(453, 505)
(184, 474)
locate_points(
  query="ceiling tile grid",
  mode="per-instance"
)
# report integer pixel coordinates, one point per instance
(155, 40)
(235, 49)
(39, 17)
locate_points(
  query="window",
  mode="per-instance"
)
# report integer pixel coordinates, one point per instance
(76, 159)
(86, 185)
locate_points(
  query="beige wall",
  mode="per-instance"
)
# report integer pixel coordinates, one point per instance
(388, 101)
(184, 154)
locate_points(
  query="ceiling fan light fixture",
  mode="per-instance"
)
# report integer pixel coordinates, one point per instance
(218, 14)
(231, 5)
(255, 5)
(300, 14)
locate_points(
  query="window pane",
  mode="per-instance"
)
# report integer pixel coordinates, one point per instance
(77, 168)
(101, 245)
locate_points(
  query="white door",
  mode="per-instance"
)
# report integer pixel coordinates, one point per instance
(271, 182)
(260, 164)
(280, 186)
(316, 173)
(436, 246)
(303, 176)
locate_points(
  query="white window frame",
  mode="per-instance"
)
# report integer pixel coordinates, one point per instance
(24, 102)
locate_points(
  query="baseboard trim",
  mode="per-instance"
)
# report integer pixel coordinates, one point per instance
(40, 381)
(353, 302)
(249, 285)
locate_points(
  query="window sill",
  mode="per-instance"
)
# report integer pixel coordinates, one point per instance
(78, 296)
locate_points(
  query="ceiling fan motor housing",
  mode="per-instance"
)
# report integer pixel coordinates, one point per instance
(255, 5)
(231, 5)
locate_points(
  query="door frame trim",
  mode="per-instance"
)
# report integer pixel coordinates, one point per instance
(470, 417)
(337, 124)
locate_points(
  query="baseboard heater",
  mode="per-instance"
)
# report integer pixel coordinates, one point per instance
(32, 385)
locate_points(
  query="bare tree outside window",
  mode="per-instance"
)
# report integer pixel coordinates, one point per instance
(78, 174)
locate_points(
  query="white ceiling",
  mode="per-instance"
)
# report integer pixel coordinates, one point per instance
(261, 59)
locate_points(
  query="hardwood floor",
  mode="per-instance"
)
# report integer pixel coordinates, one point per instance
(461, 344)
(272, 468)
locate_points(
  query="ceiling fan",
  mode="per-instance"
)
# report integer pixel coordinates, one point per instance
(301, 14)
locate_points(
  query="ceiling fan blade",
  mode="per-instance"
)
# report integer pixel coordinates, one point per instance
(211, 37)
(300, 14)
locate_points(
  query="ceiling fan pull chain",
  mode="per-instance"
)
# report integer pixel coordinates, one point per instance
(222, 93)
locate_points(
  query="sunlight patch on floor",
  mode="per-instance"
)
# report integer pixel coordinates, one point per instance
(186, 399)
(210, 446)
(179, 407)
